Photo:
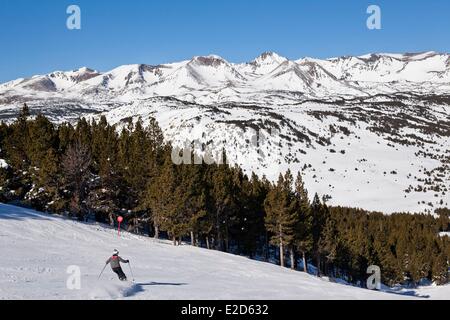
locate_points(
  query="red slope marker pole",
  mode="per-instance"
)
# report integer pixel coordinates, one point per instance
(119, 220)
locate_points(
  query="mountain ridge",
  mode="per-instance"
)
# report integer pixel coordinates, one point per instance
(347, 76)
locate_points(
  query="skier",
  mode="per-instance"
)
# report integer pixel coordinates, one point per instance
(115, 261)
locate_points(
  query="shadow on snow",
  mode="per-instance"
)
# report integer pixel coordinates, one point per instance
(139, 287)
(10, 212)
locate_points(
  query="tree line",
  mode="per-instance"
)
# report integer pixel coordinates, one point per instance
(94, 170)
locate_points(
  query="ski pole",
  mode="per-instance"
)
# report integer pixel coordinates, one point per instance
(131, 271)
(102, 272)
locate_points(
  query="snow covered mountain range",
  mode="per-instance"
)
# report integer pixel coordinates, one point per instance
(371, 131)
(212, 79)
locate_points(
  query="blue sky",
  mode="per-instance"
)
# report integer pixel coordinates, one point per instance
(34, 38)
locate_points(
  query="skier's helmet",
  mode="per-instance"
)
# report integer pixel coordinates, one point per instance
(116, 252)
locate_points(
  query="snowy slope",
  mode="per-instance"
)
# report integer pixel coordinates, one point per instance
(53, 82)
(352, 152)
(39, 249)
(419, 67)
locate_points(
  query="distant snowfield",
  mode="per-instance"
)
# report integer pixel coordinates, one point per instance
(362, 169)
(38, 248)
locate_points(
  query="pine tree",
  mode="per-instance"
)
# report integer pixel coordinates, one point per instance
(15, 145)
(138, 158)
(104, 147)
(83, 134)
(40, 138)
(49, 179)
(223, 202)
(329, 242)
(155, 134)
(4, 134)
(440, 269)
(159, 197)
(65, 133)
(251, 225)
(194, 193)
(106, 196)
(318, 223)
(24, 113)
(444, 219)
(76, 168)
(281, 217)
(303, 233)
(178, 210)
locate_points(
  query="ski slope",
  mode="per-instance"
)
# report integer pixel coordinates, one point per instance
(37, 249)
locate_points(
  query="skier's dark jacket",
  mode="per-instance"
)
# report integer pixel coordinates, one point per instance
(115, 261)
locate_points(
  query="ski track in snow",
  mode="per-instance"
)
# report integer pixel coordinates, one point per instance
(39, 248)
